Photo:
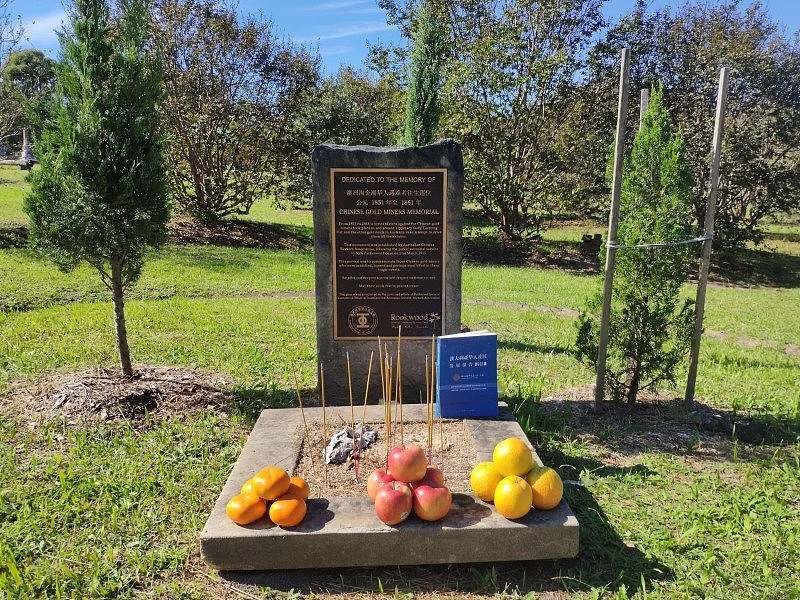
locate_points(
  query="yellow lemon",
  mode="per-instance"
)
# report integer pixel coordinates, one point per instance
(512, 456)
(484, 479)
(513, 497)
(546, 486)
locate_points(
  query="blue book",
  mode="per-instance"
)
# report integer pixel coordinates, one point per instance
(466, 375)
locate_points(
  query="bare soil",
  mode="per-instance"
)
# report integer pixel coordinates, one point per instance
(452, 451)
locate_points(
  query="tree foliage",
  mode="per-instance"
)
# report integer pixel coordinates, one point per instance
(683, 51)
(28, 77)
(512, 75)
(650, 328)
(10, 33)
(10, 28)
(99, 195)
(423, 104)
(351, 108)
(234, 92)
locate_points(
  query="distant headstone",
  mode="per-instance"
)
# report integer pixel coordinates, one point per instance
(387, 246)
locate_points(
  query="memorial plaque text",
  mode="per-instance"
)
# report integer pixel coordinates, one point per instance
(388, 242)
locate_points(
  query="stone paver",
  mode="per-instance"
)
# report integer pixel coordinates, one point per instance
(344, 531)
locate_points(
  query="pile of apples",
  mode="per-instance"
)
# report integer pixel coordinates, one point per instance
(408, 484)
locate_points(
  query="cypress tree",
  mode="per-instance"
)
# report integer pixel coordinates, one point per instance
(423, 106)
(650, 329)
(99, 195)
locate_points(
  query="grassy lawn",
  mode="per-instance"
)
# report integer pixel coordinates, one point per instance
(668, 508)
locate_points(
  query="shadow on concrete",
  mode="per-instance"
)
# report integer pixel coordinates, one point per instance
(605, 561)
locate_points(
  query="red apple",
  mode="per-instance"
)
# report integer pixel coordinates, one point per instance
(407, 463)
(393, 502)
(433, 476)
(376, 479)
(432, 502)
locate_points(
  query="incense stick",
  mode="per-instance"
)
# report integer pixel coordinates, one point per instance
(305, 423)
(324, 422)
(366, 395)
(428, 405)
(356, 453)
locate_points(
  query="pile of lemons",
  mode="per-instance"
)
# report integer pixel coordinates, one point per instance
(514, 482)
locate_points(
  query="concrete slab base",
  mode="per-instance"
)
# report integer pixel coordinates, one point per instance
(344, 531)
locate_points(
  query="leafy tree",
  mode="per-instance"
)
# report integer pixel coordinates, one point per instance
(10, 33)
(683, 50)
(28, 76)
(512, 73)
(347, 108)
(30, 72)
(350, 108)
(99, 195)
(650, 329)
(423, 106)
(234, 95)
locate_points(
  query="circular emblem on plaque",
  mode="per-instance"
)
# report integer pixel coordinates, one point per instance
(362, 320)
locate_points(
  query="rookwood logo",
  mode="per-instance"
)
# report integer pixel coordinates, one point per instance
(362, 320)
(415, 319)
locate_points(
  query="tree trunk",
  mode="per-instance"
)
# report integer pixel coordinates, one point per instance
(119, 318)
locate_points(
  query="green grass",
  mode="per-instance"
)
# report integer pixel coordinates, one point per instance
(12, 188)
(114, 510)
(188, 271)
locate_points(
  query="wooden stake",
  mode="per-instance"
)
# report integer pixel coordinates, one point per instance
(613, 218)
(711, 204)
(305, 423)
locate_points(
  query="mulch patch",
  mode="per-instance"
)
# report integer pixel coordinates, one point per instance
(105, 394)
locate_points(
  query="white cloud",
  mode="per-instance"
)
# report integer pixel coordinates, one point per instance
(40, 31)
(346, 31)
(336, 5)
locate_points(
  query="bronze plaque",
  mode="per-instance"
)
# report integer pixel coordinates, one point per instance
(388, 242)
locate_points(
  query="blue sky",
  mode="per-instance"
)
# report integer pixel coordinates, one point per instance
(340, 29)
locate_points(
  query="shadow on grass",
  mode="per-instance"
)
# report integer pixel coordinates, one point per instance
(757, 268)
(13, 237)
(242, 234)
(247, 401)
(536, 348)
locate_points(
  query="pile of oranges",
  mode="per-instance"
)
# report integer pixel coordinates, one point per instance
(514, 482)
(286, 497)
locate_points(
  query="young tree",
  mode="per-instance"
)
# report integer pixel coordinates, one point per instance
(234, 95)
(423, 105)
(650, 328)
(99, 194)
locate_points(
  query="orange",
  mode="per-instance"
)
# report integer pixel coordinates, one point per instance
(513, 497)
(287, 512)
(512, 456)
(244, 509)
(247, 488)
(271, 482)
(298, 488)
(484, 479)
(546, 486)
